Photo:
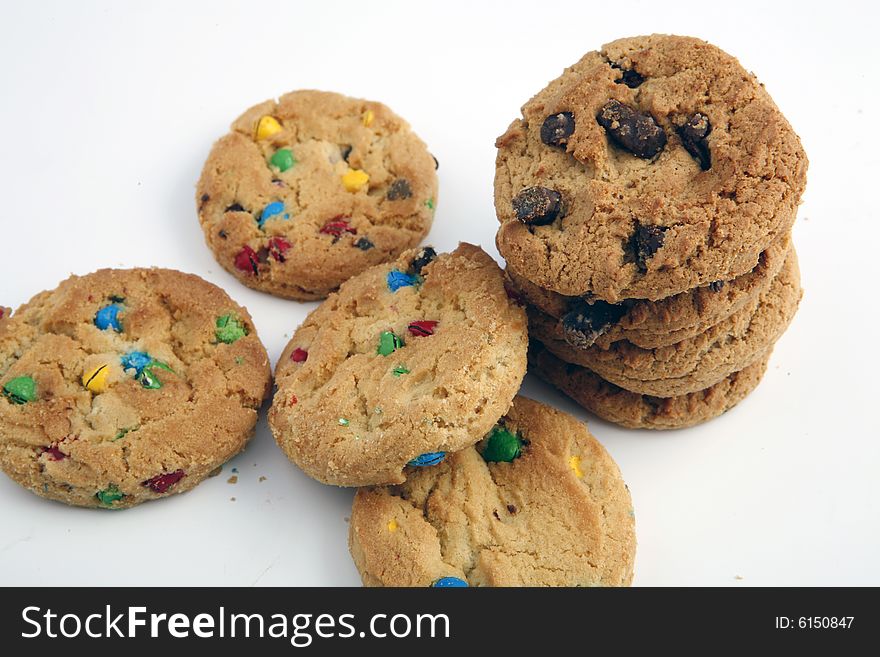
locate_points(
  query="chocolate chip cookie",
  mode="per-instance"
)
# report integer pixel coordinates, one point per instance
(309, 190)
(583, 322)
(692, 364)
(409, 361)
(635, 411)
(124, 386)
(538, 502)
(651, 167)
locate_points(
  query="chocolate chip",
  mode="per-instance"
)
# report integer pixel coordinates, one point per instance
(587, 321)
(422, 260)
(511, 508)
(495, 513)
(557, 128)
(262, 255)
(630, 77)
(399, 189)
(345, 151)
(223, 234)
(693, 137)
(436, 163)
(235, 207)
(716, 286)
(644, 243)
(638, 133)
(204, 199)
(364, 244)
(538, 206)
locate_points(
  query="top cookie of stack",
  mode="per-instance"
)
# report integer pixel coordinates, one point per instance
(646, 199)
(651, 167)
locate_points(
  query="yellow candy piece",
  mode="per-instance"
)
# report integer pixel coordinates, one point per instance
(574, 462)
(392, 525)
(267, 127)
(355, 180)
(368, 117)
(96, 378)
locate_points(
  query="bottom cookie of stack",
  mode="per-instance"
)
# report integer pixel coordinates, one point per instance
(635, 411)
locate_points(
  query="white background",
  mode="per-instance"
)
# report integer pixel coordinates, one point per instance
(109, 109)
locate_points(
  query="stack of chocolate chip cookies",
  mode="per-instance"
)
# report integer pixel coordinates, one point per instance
(646, 199)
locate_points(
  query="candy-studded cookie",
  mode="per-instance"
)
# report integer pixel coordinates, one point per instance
(582, 322)
(651, 167)
(635, 411)
(310, 190)
(692, 364)
(408, 362)
(537, 502)
(124, 386)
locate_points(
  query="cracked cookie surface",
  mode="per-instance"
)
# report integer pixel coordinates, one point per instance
(124, 386)
(306, 192)
(410, 359)
(635, 411)
(559, 514)
(644, 217)
(692, 364)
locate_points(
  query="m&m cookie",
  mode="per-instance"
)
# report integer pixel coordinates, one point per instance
(537, 502)
(124, 386)
(311, 189)
(407, 363)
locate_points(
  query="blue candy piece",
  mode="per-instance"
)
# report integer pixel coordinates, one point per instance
(137, 361)
(398, 279)
(108, 318)
(272, 210)
(431, 458)
(449, 583)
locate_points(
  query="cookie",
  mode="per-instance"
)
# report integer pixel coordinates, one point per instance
(693, 364)
(310, 190)
(552, 511)
(651, 167)
(407, 362)
(584, 322)
(636, 411)
(124, 386)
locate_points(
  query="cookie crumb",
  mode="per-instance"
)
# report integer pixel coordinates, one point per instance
(262, 479)
(232, 480)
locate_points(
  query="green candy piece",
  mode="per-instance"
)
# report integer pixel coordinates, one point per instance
(388, 343)
(229, 329)
(400, 369)
(122, 433)
(21, 390)
(429, 204)
(282, 159)
(502, 445)
(149, 380)
(109, 495)
(160, 365)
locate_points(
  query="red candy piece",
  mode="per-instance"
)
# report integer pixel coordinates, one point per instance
(336, 226)
(161, 483)
(423, 327)
(278, 247)
(293, 400)
(299, 355)
(54, 454)
(246, 261)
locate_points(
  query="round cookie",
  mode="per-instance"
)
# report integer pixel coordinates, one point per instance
(552, 511)
(635, 411)
(124, 386)
(651, 167)
(648, 324)
(408, 361)
(310, 190)
(693, 364)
